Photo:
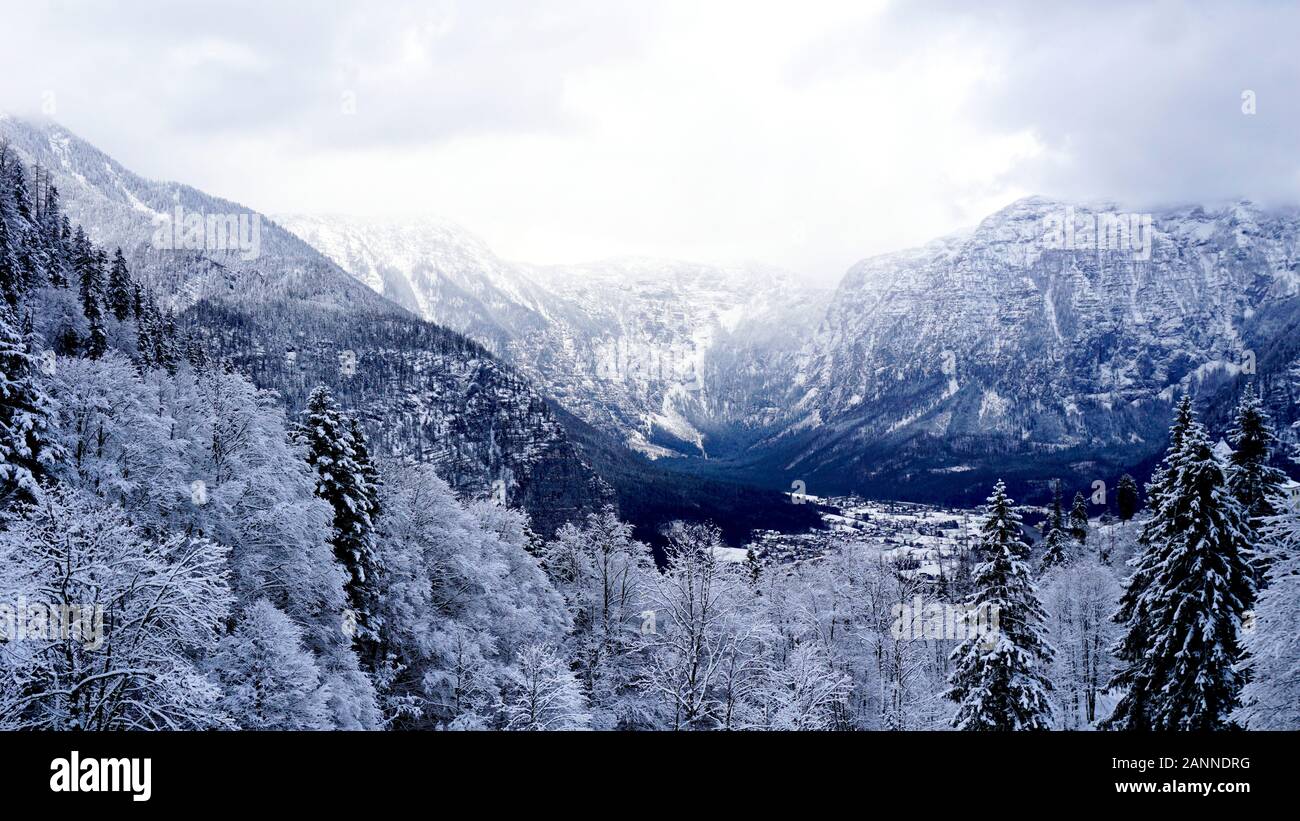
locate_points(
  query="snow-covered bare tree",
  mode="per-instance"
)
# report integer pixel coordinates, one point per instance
(604, 576)
(1079, 601)
(542, 693)
(164, 599)
(268, 680)
(692, 636)
(1271, 699)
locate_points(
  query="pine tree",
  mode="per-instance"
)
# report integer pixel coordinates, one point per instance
(1056, 550)
(166, 345)
(97, 338)
(146, 330)
(1251, 479)
(137, 301)
(1079, 518)
(10, 273)
(194, 353)
(28, 448)
(340, 481)
(119, 288)
(89, 276)
(369, 470)
(1163, 474)
(1056, 517)
(1126, 498)
(58, 270)
(1184, 603)
(1000, 681)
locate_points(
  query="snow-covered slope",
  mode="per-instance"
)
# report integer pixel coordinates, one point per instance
(289, 317)
(1003, 350)
(665, 355)
(433, 268)
(997, 350)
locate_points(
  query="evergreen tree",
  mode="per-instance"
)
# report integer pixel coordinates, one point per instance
(340, 481)
(1251, 479)
(1184, 603)
(1056, 550)
(1079, 518)
(28, 448)
(1000, 680)
(85, 263)
(119, 288)
(198, 358)
(166, 345)
(137, 301)
(369, 470)
(146, 330)
(1126, 498)
(1163, 474)
(58, 270)
(10, 273)
(1055, 517)
(97, 338)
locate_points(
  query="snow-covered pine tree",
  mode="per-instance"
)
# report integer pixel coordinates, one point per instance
(1056, 550)
(1079, 518)
(1000, 679)
(340, 480)
(1162, 475)
(28, 447)
(1126, 498)
(90, 269)
(1251, 479)
(10, 274)
(1056, 517)
(146, 328)
(119, 287)
(166, 344)
(369, 471)
(1184, 603)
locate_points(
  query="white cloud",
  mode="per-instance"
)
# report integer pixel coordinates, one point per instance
(807, 134)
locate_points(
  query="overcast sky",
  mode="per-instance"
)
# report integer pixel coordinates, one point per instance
(803, 134)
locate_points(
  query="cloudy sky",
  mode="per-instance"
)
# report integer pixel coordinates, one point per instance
(803, 134)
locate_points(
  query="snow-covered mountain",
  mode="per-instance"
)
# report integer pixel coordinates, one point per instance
(671, 357)
(434, 269)
(292, 319)
(1019, 349)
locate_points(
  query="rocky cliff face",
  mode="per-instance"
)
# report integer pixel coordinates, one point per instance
(1014, 345)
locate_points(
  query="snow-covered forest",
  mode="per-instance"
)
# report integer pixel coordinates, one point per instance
(177, 552)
